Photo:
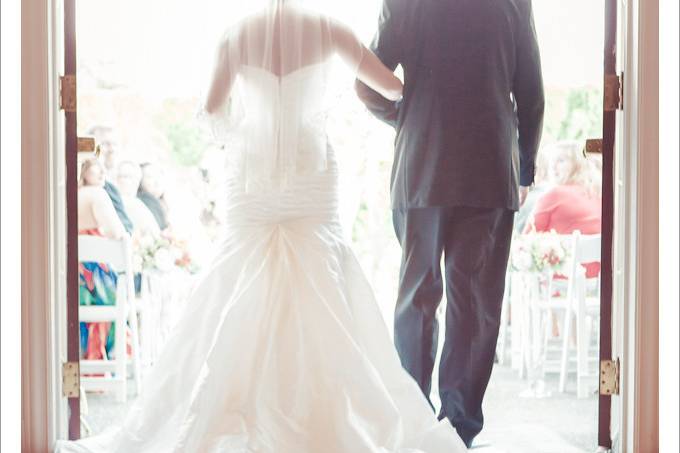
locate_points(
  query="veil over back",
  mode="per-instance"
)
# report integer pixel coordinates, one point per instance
(270, 88)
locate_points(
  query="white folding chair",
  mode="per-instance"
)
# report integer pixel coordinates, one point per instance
(118, 255)
(586, 249)
(149, 309)
(575, 304)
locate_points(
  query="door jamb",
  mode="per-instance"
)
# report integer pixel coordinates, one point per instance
(639, 133)
(638, 416)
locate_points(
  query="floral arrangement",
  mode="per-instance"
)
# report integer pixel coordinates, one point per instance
(161, 253)
(538, 252)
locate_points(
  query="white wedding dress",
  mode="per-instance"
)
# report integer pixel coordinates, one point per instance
(282, 348)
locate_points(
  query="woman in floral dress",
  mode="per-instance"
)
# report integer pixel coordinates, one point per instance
(97, 217)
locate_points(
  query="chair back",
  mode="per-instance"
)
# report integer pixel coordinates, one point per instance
(586, 247)
(116, 253)
(582, 249)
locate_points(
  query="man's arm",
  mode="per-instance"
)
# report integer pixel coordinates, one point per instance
(528, 93)
(387, 46)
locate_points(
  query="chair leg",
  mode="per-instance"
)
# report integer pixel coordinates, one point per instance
(87, 430)
(566, 332)
(121, 358)
(136, 356)
(516, 318)
(547, 321)
(581, 344)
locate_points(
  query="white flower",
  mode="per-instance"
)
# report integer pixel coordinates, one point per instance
(137, 263)
(164, 260)
(522, 260)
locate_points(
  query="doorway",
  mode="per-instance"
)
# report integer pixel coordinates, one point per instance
(149, 123)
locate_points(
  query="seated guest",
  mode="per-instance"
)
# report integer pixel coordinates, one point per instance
(105, 139)
(96, 216)
(95, 208)
(152, 193)
(573, 203)
(129, 177)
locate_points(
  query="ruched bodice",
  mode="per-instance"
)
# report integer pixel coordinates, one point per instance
(311, 197)
(282, 134)
(291, 106)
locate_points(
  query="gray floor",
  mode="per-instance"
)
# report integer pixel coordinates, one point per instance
(560, 423)
(557, 424)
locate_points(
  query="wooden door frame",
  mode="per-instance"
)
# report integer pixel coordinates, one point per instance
(41, 406)
(71, 205)
(637, 339)
(609, 158)
(43, 411)
(35, 382)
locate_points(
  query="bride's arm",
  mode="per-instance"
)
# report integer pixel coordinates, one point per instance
(221, 81)
(370, 69)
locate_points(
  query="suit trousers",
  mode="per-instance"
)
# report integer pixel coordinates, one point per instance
(475, 245)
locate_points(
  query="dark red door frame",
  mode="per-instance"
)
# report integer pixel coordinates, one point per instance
(606, 291)
(71, 151)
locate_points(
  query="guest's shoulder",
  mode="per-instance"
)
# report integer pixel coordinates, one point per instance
(93, 193)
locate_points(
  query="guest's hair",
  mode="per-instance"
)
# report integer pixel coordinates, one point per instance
(87, 164)
(583, 173)
(595, 168)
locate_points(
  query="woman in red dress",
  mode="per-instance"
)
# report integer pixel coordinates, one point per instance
(574, 202)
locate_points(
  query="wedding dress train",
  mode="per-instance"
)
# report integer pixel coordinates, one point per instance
(282, 348)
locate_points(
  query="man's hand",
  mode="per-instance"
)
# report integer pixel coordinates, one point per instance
(523, 192)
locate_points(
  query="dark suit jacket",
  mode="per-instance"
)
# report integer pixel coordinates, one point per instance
(117, 201)
(469, 125)
(156, 207)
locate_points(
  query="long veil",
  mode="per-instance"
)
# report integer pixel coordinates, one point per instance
(276, 130)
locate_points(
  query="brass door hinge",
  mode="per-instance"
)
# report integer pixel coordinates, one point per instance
(70, 379)
(609, 377)
(613, 92)
(67, 93)
(593, 145)
(87, 145)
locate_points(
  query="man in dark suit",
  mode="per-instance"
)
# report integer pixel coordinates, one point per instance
(467, 133)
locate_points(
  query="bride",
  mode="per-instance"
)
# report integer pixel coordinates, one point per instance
(282, 348)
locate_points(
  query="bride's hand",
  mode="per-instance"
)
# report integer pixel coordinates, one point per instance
(395, 94)
(370, 70)
(376, 75)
